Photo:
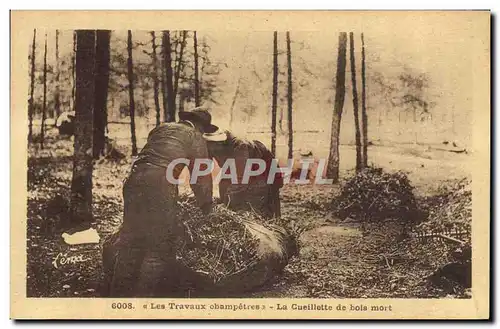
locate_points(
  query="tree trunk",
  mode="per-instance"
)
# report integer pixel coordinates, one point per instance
(379, 125)
(181, 102)
(233, 102)
(237, 91)
(57, 100)
(81, 184)
(415, 132)
(44, 108)
(275, 93)
(101, 90)
(290, 96)
(162, 84)
(355, 103)
(155, 79)
(73, 75)
(333, 159)
(399, 122)
(197, 100)
(364, 116)
(167, 61)
(280, 121)
(130, 66)
(179, 65)
(31, 103)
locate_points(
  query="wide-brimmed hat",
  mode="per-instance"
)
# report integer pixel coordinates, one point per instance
(202, 116)
(216, 136)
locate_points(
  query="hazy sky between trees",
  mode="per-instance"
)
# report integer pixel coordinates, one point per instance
(441, 49)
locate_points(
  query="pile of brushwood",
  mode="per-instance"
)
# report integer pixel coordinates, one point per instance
(226, 243)
(434, 260)
(449, 212)
(374, 195)
(449, 209)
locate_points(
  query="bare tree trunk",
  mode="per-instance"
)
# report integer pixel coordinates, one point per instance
(399, 121)
(275, 93)
(145, 108)
(167, 62)
(81, 184)
(44, 108)
(57, 100)
(290, 96)
(179, 65)
(162, 84)
(131, 93)
(196, 73)
(201, 70)
(155, 79)
(103, 38)
(181, 102)
(364, 116)
(73, 65)
(31, 103)
(182, 99)
(333, 159)
(280, 121)
(415, 131)
(237, 91)
(233, 102)
(355, 103)
(379, 125)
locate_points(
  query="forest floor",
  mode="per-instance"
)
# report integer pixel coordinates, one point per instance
(337, 259)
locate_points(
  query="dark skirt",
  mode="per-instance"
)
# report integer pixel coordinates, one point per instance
(150, 209)
(140, 260)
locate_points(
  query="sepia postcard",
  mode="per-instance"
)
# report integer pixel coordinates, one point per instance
(250, 165)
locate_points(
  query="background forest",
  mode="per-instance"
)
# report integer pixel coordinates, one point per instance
(357, 99)
(410, 99)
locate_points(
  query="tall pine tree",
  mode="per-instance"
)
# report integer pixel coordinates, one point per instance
(333, 159)
(197, 99)
(103, 38)
(355, 103)
(274, 107)
(130, 67)
(364, 116)
(81, 183)
(167, 61)
(155, 78)
(57, 95)
(289, 96)
(31, 102)
(44, 106)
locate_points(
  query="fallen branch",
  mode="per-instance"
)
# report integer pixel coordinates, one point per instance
(449, 238)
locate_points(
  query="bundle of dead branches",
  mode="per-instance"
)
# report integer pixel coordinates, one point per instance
(225, 242)
(374, 195)
(449, 209)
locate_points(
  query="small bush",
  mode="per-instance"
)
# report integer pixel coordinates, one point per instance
(374, 195)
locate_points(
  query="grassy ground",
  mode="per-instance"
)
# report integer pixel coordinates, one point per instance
(337, 259)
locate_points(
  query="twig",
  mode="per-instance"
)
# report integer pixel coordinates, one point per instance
(253, 210)
(234, 260)
(386, 261)
(221, 252)
(451, 239)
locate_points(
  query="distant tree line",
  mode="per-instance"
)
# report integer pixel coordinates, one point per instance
(98, 68)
